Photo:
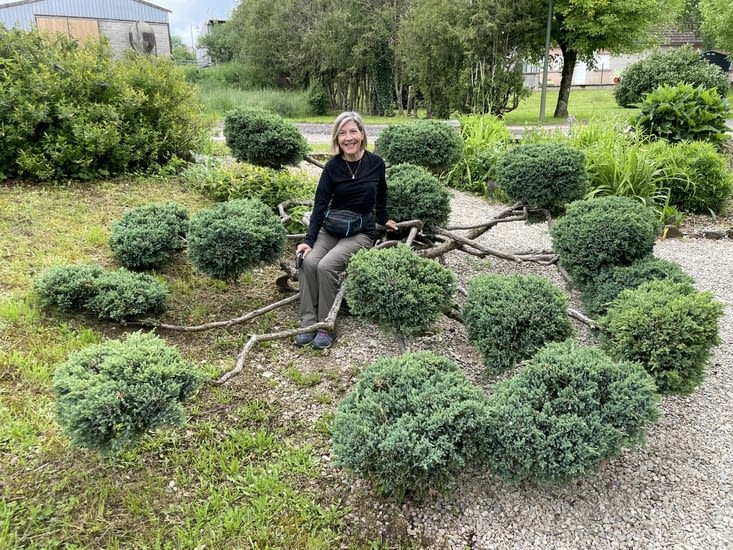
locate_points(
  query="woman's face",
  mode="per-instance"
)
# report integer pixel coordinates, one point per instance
(350, 139)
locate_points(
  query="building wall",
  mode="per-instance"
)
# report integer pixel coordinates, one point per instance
(113, 19)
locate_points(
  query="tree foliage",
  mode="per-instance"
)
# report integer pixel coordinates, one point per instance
(717, 23)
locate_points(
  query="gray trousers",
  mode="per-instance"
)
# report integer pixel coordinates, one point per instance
(319, 274)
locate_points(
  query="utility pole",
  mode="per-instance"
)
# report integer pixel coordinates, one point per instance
(543, 96)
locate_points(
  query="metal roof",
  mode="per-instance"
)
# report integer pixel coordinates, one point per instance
(23, 14)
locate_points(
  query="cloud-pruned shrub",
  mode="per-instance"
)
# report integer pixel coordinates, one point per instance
(147, 236)
(597, 234)
(117, 295)
(397, 289)
(510, 317)
(410, 425)
(568, 410)
(235, 236)
(598, 294)
(542, 175)
(263, 138)
(432, 144)
(670, 328)
(415, 194)
(109, 395)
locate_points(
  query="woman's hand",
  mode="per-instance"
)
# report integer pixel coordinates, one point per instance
(303, 249)
(391, 225)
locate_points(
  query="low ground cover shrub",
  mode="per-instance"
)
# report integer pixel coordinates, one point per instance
(542, 175)
(670, 328)
(669, 67)
(432, 144)
(509, 317)
(146, 237)
(568, 410)
(598, 294)
(235, 236)
(684, 113)
(117, 295)
(223, 181)
(397, 289)
(110, 395)
(415, 194)
(410, 425)
(263, 138)
(597, 234)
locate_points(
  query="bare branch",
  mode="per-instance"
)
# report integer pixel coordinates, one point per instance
(575, 314)
(314, 162)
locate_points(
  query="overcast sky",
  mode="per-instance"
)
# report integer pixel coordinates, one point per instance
(186, 14)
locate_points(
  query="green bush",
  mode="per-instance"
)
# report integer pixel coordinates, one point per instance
(146, 236)
(223, 181)
(110, 395)
(668, 327)
(697, 176)
(684, 112)
(432, 144)
(397, 289)
(318, 99)
(233, 237)
(109, 295)
(410, 425)
(569, 409)
(68, 287)
(509, 317)
(123, 295)
(415, 194)
(263, 138)
(600, 293)
(485, 138)
(69, 111)
(542, 175)
(670, 67)
(598, 234)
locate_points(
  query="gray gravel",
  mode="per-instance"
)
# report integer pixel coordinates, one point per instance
(674, 493)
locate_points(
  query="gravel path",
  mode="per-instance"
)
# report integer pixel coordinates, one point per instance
(674, 493)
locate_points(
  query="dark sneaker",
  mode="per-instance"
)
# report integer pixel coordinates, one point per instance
(304, 339)
(323, 339)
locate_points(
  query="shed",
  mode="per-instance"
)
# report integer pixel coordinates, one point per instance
(717, 58)
(82, 19)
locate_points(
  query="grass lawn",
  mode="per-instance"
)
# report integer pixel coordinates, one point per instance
(240, 474)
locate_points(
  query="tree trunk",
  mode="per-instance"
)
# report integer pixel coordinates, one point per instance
(398, 91)
(569, 58)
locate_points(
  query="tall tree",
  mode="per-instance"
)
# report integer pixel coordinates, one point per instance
(582, 27)
(717, 23)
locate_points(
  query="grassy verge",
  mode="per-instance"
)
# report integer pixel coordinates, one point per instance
(241, 474)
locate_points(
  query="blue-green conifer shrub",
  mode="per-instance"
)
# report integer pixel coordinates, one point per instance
(510, 317)
(146, 237)
(109, 395)
(599, 294)
(235, 236)
(410, 425)
(415, 194)
(432, 144)
(601, 233)
(569, 409)
(397, 289)
(263, 138)
(670, 328)
(68, 287)
(542, 175)
(123, 295)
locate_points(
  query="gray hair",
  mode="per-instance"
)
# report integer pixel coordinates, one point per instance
(343, 118)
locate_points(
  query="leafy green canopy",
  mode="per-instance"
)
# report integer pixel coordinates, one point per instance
(717, 23)
(68, 111)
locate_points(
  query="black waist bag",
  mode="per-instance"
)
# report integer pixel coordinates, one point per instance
(343, 223)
